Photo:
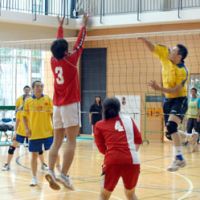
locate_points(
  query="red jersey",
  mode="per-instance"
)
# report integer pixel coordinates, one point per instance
(65, 72)
(116, 138)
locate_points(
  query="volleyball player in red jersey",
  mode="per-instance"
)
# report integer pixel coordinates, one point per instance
(118, 138)
(66, 100)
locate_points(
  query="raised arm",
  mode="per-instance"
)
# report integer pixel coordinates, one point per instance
(60, 32)
(82, 33)
(148, 44)
(78, 47)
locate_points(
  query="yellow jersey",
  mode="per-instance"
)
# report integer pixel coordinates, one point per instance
(19, 115)
(39, 115)
(193, 108)
(172, 74)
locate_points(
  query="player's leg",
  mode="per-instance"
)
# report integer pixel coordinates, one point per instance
(58, 137)
(57, 142)
(71, 121)
(130, 175)
(130, 194)
(178, 110)
(35, 146)
(68, 156)
(172, 127)
(53, 155)
(111, 175)
(195, 136)
(166, 111)
(34, 156)
(104, 194)
(41, 158)
(17, 139)
(189, 127)
(58, 165)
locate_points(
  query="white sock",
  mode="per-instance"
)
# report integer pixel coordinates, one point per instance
(177, 150)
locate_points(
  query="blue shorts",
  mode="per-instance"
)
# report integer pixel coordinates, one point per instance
(40, 144)
(20, 138)
(177, 106)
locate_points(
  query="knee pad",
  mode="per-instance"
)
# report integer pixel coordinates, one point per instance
(172, 127)
(40, 153)
(11, 150)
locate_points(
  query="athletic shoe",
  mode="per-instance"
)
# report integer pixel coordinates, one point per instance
(66, 181)
(176, 164)
(6, 167)
(51, 178)
(44, 167)
(34, 182)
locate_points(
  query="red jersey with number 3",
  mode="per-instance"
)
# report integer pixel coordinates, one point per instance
(65, 72)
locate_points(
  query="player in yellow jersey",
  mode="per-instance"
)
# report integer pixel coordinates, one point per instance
(174, 87)
(37, 117)
(193, 121)
(20, 136)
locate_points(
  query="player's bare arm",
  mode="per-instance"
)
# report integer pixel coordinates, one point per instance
(61, 20)
(154, 85)
(147, 43)
(28, 132)
(85, 19)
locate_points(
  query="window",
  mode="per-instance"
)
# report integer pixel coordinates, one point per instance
(18, 67)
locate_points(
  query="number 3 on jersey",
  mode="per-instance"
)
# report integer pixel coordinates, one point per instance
(60, 79)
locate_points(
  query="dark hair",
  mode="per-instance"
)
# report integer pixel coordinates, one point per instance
(111, 107)
(37, 81)
(58, 48)
(194, 89)
(182, 50)
(26, 87)
(100, 100)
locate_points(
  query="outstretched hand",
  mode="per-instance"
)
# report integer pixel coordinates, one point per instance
(154, 85)
(61, 20)
(85, 19)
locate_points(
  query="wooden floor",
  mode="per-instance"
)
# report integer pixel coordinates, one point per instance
(155, 182)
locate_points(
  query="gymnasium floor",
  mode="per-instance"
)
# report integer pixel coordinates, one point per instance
(155, 182)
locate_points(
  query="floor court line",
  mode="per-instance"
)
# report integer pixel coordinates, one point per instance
(190, 184)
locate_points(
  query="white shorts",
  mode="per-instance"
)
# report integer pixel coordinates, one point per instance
(66, 116)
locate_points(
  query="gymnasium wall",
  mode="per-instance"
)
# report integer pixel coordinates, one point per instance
(16, 32)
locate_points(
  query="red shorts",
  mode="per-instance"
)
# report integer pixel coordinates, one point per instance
(129, 174)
